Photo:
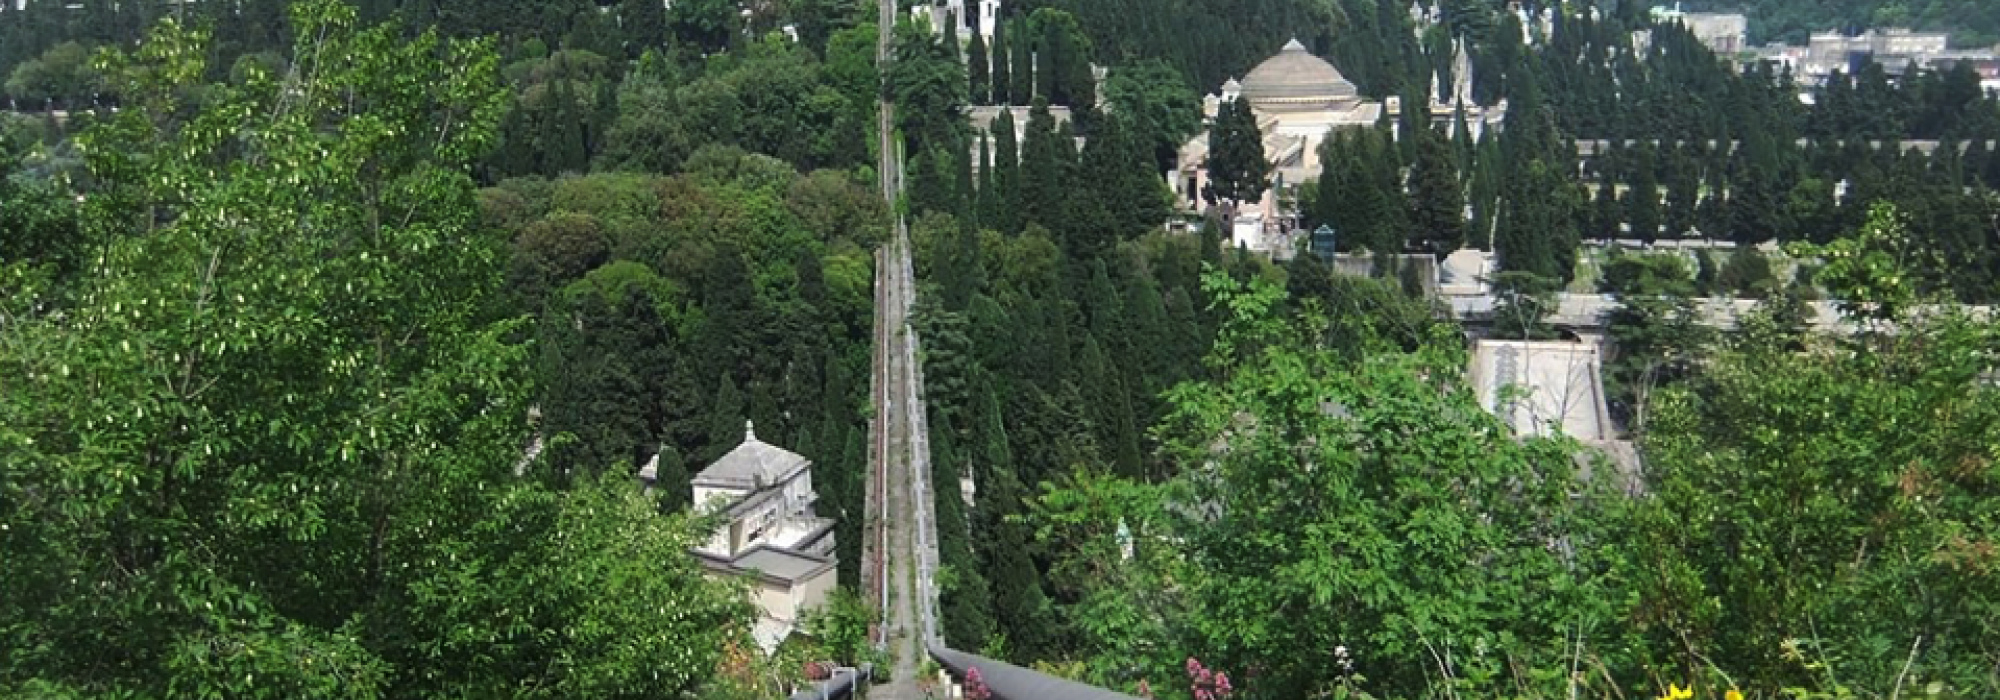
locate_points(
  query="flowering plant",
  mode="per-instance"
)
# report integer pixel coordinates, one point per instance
(1208, 684)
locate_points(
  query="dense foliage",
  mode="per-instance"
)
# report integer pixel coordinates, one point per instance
(327, 359)
(260, 439)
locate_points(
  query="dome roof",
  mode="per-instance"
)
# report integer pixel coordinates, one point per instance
(1296, 75)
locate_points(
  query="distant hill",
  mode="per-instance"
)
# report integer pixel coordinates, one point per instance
(1971, 22)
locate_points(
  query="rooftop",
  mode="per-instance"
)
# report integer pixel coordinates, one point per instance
(1295, 74)
(785, 564)
(753, 465)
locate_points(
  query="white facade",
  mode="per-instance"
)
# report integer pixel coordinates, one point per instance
(1827, 52)
(984, 15)
(769, 532)
(1299, 99)
(1725, 33)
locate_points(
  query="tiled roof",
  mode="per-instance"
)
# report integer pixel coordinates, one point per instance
(1296, 74)
(752, 465)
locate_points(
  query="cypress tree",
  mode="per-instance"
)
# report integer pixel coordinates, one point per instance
(1528, 238)
(1186, 345)
(1043, 166)
(1437, 202)
(1462, 145)
(645, 25)
(932, 186)
(672, 482)
(1683, 187)
(726, 420)
(1210, 242)
(605, 112)
(565, 151)
(988, 198)
(1023, 70)
(1485, 190)
(1016, 583)
(950, 39)
(1607, 214)
(1384, 204)
(1147, 342)
(1237, 169)
(965, 202)
(854, 461)
(1642, 199)
(1110, 408)
(1119, 168)
(1006, 174)
(1002, 83)
(967, 624)
(978, 70)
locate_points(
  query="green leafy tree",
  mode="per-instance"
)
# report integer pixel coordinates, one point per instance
(1522, 304)
(929, 87)
(1655, 331)
(1163, 113)
(272, 449)
(1899, 427)
(708, 25)
(1321, 503)
(62, 77)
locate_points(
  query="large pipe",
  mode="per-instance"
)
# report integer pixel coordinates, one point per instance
(1010, 682)
(841, 685)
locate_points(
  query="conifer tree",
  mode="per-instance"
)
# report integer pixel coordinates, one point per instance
(1531, 221)
(672, 482)
(1044, 165)
(933, 183)
(1001, 84)
(1148, 339)
(1016, 584)
(1485, 192)
(1024, 64)
(1437, 200)
(967, 624)
(988, 196)
(565, 151)
(644, 23)
(1062, 60)
(1462, 145)
(1642, 198)
(966, 204)
(949, 39)
(726, 420)
(1130, 186)
(1683, 184)
(1607, 213)
(1006, 174)
(1187, 339)
(1237, 169)
(979, 71)
(855, 458)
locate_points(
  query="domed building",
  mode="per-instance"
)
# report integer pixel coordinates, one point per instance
(1299, 99)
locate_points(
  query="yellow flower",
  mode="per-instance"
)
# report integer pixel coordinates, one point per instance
(1733, 694)
(1674, 692)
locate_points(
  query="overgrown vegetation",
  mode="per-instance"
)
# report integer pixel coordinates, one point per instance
(277, 333)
